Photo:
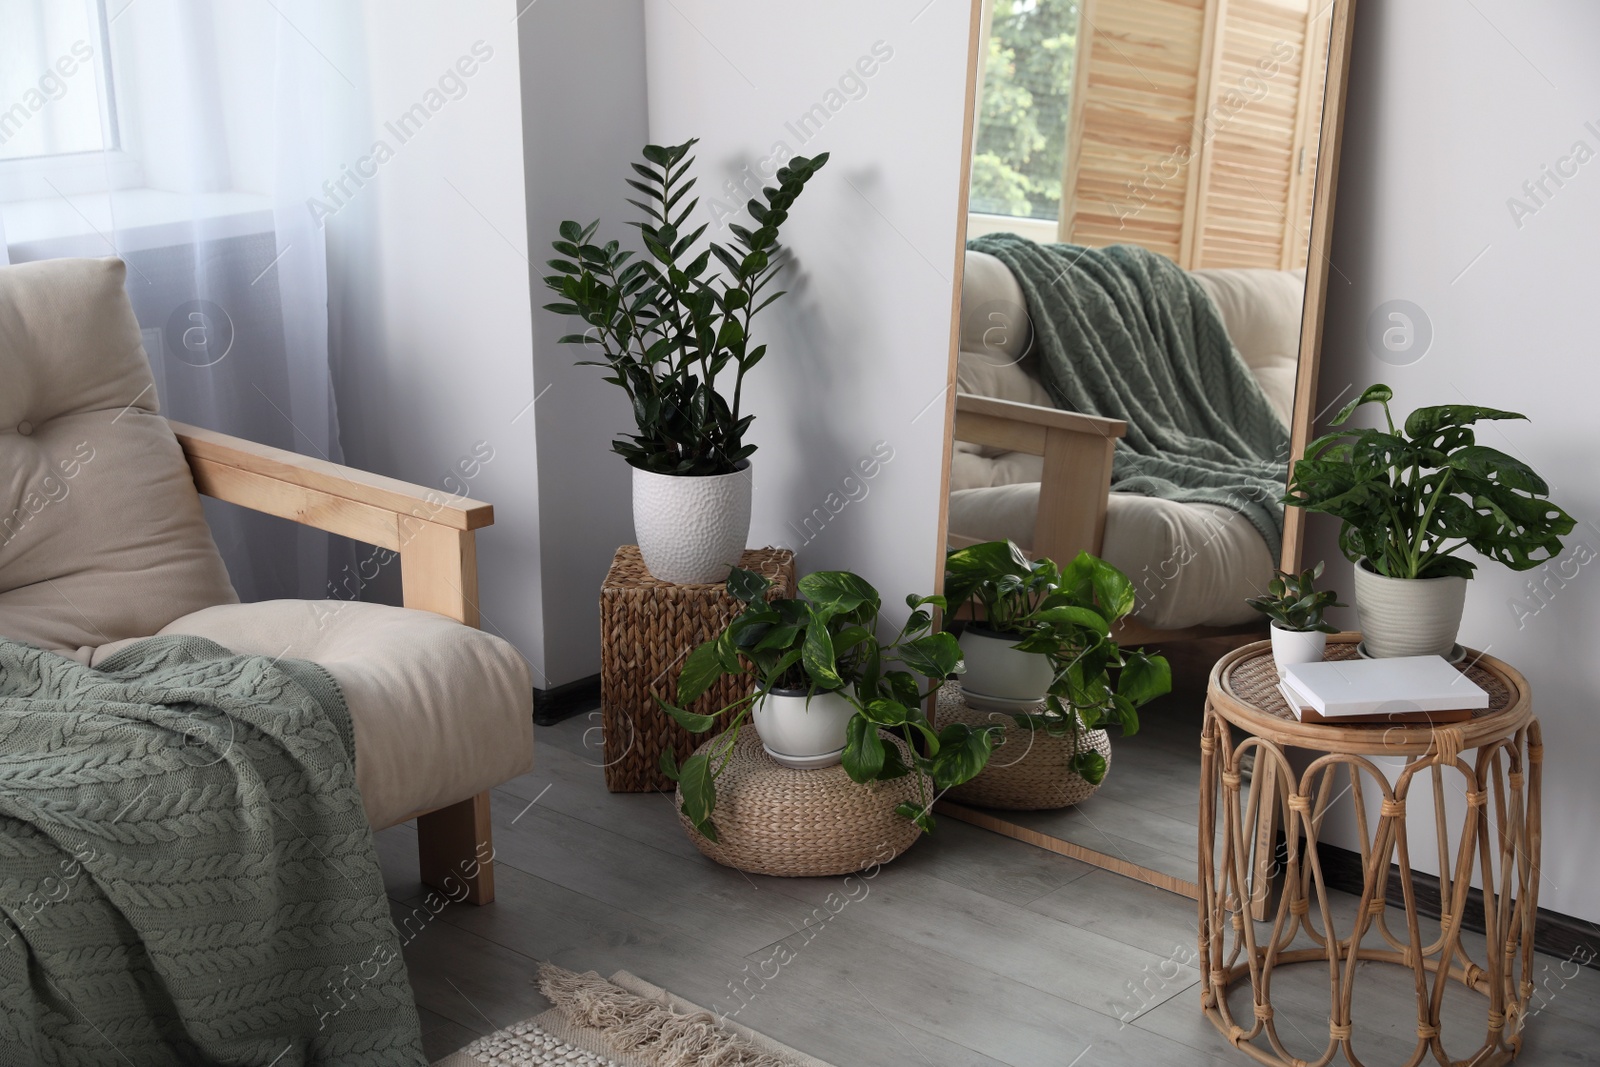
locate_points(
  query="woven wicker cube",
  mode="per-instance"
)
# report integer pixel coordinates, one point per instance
(1030, 770)
(792, 823)
(647, 627)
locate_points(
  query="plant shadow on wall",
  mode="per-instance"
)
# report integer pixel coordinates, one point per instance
(666, 326)
(1049, 628)
(1411, 498)
(819, 656)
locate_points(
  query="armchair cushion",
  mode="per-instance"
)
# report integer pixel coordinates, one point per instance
(1191, 564)
(442, 711)
(101, 532)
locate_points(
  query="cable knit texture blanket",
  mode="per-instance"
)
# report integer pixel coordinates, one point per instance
(186, 871)
(1126, 333)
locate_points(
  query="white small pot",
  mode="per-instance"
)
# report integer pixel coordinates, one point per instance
(1296, 646)
(801, 732)
(999, 677)
(1408, 616)
(691, 528)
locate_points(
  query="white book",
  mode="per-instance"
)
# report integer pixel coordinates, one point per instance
(1404, 685)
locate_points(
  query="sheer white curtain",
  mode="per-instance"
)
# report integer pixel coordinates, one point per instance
(189, 137)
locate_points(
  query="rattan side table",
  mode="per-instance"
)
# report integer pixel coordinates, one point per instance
(1496, 839)
(647, 627)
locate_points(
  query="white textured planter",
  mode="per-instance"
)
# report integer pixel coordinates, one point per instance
(1296, 646)
(691, 529)
(798, 732)
(999, 677)
(1408, 616)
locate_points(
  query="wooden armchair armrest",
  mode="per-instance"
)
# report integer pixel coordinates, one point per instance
(1077, 451)
(432, 533)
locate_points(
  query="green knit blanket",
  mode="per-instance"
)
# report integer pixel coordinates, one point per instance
(186, 871)
(1126, 333)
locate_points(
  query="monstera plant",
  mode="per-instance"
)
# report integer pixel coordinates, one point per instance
(825, 689)
(1411, 498)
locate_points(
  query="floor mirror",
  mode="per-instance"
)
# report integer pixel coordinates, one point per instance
(1166, 153)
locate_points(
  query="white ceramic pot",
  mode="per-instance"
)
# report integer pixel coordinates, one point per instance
(1408, 616)
(691, 528)
(801, 732)
(1296, 646)
(999, 677)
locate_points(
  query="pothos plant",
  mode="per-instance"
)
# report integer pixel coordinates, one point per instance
(1066, 614)
(666, 326)
(826, 641)
(1411, 497)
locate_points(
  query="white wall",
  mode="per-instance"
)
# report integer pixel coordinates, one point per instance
(1452, 108)
(428, 286)
(581, 132)
(860, 346)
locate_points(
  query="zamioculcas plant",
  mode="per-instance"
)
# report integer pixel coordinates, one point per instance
(825, 644)
(666, 326)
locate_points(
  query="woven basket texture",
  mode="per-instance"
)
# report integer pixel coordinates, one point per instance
(647, 627)
(792, 823)
(1029, 770)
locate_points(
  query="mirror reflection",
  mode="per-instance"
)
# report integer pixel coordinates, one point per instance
(1143, 192)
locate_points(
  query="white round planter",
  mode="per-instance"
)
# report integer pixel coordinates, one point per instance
(691, 528)
(1408, 616)
(999, 677)
(801, 732)
(1296, 646)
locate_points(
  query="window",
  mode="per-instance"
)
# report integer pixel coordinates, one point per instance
(1023, 111)
(55, 85)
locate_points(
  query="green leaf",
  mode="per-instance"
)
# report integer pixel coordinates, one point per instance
(1144, 677)
(887, 712)
(817, 653)
(699, 791)
(1373, 394)
(963, 753)
(668, 764)
(694, 722)
(839, 592)
(917, 814)
(934, 656)
(863, 750)
(1090, 766)
(703, 666)
(747, 586)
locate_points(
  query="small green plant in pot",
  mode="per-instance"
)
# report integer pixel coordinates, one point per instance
(669, 327)
(1045, 636)
(823, 690)
(1411, 498)
(1295, 606)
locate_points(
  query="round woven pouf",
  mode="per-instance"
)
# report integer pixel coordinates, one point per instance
(791, 823)
(1030, 770)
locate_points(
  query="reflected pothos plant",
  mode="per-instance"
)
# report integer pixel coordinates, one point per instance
(1065, 613)
(826, 641)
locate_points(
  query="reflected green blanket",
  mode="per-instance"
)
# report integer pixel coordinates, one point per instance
(186, 871)
(1128, 334)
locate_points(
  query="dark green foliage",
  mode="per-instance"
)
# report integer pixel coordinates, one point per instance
(1292, 601)
(664, 327)
(1067, 615)
(826, 641)
(1412, 497)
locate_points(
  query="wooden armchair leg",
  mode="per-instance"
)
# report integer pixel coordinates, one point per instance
(455, 848)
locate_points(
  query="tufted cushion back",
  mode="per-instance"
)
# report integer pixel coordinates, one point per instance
(101, 533)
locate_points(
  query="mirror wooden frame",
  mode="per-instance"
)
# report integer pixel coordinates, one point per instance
(1330, 137)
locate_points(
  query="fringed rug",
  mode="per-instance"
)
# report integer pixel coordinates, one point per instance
(624, 1022)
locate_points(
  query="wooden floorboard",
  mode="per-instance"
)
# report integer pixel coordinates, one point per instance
(970, 950)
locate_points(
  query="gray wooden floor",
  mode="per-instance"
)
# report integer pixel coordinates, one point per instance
(971, 949)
